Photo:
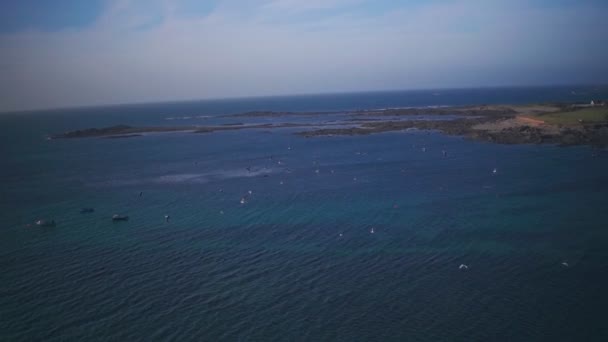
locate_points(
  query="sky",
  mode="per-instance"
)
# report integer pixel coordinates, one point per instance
(64, 53)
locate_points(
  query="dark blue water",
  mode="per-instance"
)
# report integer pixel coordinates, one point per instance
(297, 261)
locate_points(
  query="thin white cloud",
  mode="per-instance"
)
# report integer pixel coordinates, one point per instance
(298, 6)
(242, 51)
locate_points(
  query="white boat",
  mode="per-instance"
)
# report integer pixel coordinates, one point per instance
(45, 223)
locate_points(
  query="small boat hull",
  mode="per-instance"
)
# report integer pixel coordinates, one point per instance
(116, 218)
(45, 223)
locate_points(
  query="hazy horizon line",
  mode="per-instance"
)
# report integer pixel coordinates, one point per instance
(245, 97)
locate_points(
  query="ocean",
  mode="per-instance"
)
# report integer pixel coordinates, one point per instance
(340, 238)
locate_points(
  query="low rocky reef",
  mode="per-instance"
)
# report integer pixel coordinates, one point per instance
(562, 124)
(124, 131)
(118, 131)
(464, 111)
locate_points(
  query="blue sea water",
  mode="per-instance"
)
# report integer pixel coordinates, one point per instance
(297, 261)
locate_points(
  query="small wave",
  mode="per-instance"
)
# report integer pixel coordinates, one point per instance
(187, 117)
(118, 182)
(178, 118)
(210, 176)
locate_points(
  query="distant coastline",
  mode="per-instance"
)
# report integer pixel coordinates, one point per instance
(562, 124)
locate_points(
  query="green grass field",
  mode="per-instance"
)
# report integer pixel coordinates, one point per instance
(587, 115)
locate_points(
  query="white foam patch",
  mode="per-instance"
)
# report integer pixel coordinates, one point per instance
(181, 178)
(243, 173)
(189, 178)
(199, 178)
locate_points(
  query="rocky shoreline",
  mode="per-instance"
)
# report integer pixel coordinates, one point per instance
(531, 124)
(596, 135)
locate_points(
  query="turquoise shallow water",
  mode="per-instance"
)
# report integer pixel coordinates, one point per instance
(297, 261)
